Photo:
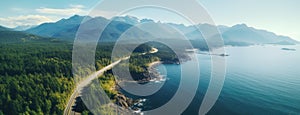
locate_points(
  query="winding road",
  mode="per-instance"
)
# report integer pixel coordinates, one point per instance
(68, 110)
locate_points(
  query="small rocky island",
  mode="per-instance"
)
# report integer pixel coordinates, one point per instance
(288, 49)
(223, 55)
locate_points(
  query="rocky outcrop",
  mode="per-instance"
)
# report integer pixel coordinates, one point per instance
(123, 101)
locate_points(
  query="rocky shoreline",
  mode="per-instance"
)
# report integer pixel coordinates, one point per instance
(136, 105)
(151, 75)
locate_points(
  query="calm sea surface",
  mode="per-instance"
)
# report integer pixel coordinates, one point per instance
(259, 80)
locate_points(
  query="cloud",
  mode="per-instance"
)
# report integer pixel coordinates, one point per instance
(73, 9)
(25, 20)
(77, 6)
(45, 14)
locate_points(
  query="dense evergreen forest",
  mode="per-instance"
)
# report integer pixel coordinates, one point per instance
(36, 73)
(36, 77)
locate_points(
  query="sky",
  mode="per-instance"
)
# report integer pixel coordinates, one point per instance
(278, 16)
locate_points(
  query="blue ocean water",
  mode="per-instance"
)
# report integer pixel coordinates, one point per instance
(263, 80)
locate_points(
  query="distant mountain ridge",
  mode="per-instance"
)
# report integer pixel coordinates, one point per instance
(243, 33)
(21, 37)
(239, 34)
(8, 35)
(52, 29)
(4, 28)
(23, 28)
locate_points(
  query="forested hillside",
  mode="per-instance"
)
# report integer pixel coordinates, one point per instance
(36, 77)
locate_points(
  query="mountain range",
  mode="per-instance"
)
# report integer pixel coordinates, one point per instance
(4, 28)
(8, 35)
(66, 29)
(23, 28)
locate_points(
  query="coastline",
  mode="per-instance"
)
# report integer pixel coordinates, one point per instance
(153, 73)
(136, 105)
(153, 64)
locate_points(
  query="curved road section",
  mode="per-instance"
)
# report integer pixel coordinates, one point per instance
(77, 92)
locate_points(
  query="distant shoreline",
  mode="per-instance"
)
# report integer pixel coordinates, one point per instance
(153, 64)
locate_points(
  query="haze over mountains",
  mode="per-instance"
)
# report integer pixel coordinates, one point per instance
(23, 28)
(4, 28)
(8, 35)
(241, 34)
